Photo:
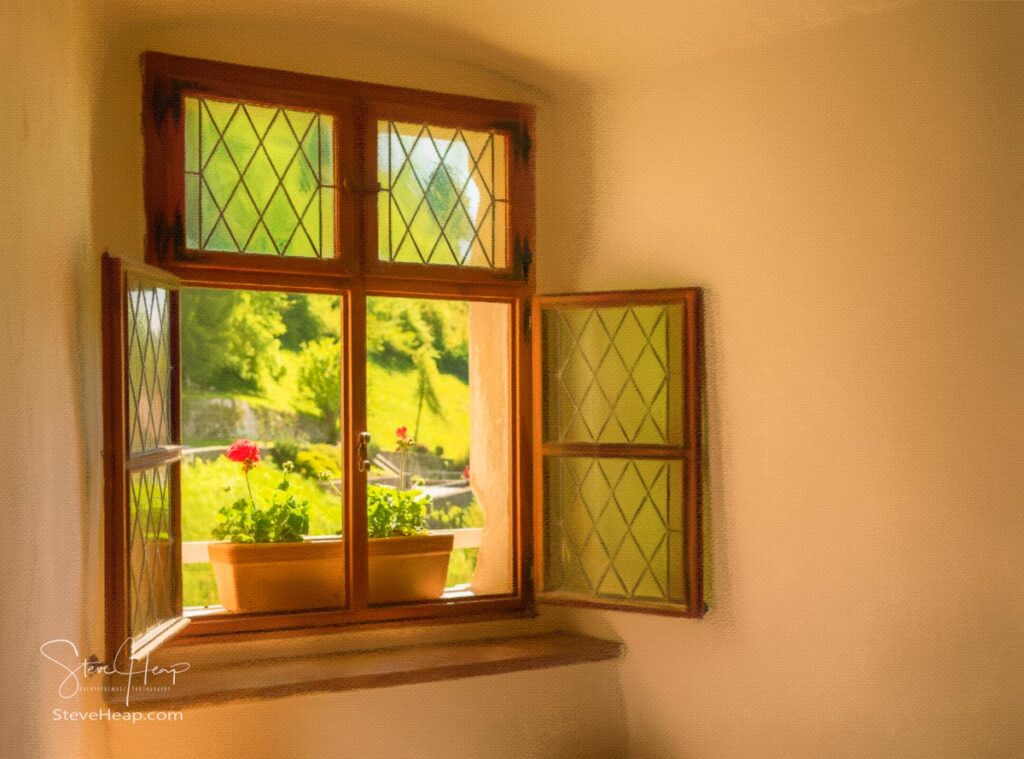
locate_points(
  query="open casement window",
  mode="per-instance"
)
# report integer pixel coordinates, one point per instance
(142, 456)
(356, 272)
(617, 472)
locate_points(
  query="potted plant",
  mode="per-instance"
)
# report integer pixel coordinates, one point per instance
(405, 562)
(264, 563)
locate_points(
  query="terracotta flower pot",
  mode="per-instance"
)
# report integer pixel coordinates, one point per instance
(265, 577)
(253, 577)
(412, 568)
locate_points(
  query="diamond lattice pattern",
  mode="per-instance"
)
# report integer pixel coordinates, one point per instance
(613, 528)
(149, 367)
(613, 375)
(443, 196)
(258, 179)
(153, 586)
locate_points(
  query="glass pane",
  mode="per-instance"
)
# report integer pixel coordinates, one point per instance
(443, 196)
(153, 583)
(258, 179)
(149, 367)
(611, 528)
(438, 410)
(264, 367)
(614, 375)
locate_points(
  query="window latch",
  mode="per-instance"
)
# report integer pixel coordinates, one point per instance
(364, 451)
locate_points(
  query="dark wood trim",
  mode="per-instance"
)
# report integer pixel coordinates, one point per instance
(330, 620)
(114, 450)
(357, 549)
(613, 298)
(635, 607)
(379, 668)
(694, 466)
(285, 633)
(273, 82)
(617, 450)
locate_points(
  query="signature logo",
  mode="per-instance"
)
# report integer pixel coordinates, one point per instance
(140, 674)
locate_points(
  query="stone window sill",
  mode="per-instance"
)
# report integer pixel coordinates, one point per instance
(354, 670)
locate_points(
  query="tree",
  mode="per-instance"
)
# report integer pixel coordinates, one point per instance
(320, 381)
(230, 339)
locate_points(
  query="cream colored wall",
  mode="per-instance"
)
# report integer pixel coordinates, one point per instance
(851, 198)
(47, 348)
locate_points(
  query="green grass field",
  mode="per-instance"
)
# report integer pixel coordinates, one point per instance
(392, 401)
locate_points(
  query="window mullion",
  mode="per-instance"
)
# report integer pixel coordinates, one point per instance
(354, 402)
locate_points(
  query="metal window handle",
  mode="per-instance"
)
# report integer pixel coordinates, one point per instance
(364, 451)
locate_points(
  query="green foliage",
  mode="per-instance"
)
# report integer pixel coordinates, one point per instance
(314, 459)
(199, 588)
(253, 347)
(229, 339)
(390, 512)
(398, 328)
(302, 321)
(319, 379)
(284, 520)
(455, 517)
(207, 485)
(284, 450)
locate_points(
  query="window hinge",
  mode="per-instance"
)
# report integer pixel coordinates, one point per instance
(524, 256)
(169, 236)
(519, 136)
(527, 320)
(167, 99)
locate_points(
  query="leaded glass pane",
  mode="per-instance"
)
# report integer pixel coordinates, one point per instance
(443, 196)
(258, 179)
(149, 367)
(611, 529)
(153, 581)
(613, 375)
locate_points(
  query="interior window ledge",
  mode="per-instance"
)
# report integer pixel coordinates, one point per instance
(353, 670)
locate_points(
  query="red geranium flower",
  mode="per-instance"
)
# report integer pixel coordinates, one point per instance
(245, 452)
(402, 433)
(465, 472)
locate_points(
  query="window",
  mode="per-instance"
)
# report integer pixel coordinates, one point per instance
(341, 273)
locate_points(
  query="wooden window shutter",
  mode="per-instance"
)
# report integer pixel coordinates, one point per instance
(617, 467)
(142, 458)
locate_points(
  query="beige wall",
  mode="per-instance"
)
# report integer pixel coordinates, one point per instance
(851, 198)
(49, 557)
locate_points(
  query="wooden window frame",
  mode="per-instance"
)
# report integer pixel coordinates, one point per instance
(354, 274)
